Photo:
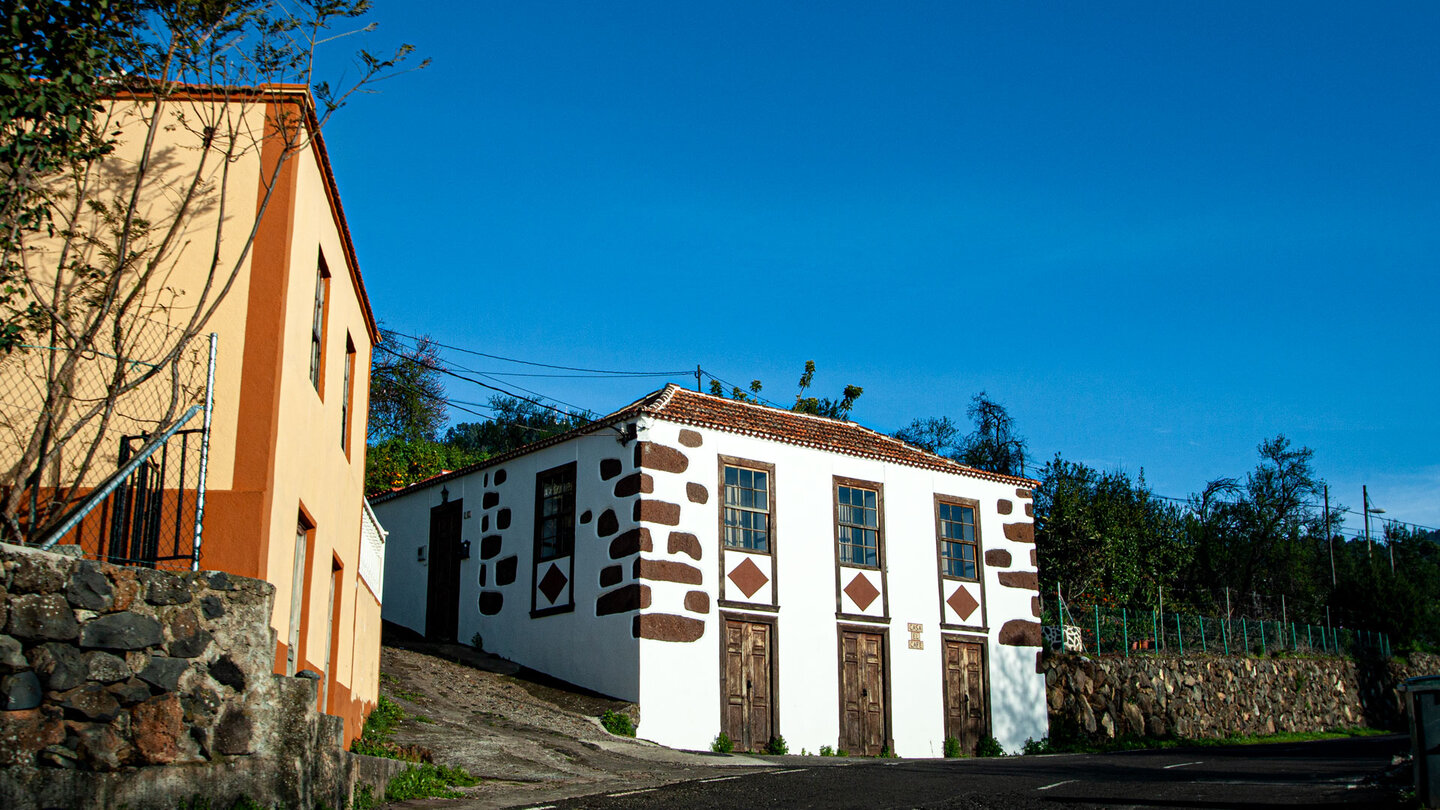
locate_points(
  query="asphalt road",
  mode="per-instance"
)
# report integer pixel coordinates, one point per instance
(1330, 773)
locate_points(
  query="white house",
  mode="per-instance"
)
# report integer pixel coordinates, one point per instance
(739, 568)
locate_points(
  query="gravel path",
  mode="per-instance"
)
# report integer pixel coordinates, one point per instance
(531, 739)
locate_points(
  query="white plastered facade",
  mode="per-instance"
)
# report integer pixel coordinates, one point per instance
(666, 652)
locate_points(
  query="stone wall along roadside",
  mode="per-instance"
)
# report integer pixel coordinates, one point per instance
(141, 688)
(1099, 698)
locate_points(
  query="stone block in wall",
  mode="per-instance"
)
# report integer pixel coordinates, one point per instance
(19, 691)
(122, 631)
(12, 657)
(59, 665)
(24, 733)
(42, 616)
(89, 588)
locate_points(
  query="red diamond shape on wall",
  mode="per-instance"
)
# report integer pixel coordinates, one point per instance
(962, 602)
(554, 582)
(861, 592)
(748, 577)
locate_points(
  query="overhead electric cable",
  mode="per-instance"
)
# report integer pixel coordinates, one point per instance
(545, 365)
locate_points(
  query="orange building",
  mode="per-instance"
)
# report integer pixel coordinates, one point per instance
(284, 498)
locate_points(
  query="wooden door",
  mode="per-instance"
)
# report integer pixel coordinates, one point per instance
(442, 586)
(748, 718)
(965, 693)
(862, 693)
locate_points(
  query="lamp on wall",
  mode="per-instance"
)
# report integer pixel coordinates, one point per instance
(444, 494)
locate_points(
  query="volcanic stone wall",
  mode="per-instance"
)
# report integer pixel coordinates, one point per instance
(1216, 696)
(128, 686)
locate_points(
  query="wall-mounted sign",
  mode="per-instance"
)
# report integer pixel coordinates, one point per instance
(915, 631)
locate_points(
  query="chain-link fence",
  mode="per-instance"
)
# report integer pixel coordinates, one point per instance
(1124, 631)
(70, 423)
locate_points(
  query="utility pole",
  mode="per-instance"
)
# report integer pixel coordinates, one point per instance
(698, 387)
(1365, 498)
(1329, 538)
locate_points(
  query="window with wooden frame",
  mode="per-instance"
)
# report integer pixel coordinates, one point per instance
(555, 513)
(347, 393)
(857, 525)
(959, 545)
(747, 508)
(317, 323)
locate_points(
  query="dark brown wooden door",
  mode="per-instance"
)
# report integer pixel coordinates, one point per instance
(747, 684)
(442, 585)
(862, 693)
(965, 693)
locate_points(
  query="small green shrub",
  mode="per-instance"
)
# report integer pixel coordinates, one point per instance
(426, 781)
(722, 744)
(804, 753)
(1034, 746)
(827, 751)
(886, 753)
(617, 723)
(363, 798)
(841, 752)
(989, 747)
(952, 748)
(777, 746)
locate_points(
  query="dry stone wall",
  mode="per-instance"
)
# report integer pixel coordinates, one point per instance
(1215, 696)
(117, 682)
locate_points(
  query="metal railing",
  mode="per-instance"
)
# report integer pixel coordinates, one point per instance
(1125, 631)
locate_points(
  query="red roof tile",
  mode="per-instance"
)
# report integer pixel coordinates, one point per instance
(683, 406)
(676, 404)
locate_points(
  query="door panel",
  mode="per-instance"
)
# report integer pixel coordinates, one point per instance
(442, 587)
(965, 693)
(862, 693)
(747, 718)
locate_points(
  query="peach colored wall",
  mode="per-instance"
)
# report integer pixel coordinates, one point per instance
(275, 441)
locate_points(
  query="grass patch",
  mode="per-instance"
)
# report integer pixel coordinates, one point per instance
(617, 723)
(406, 694)
(420, 718)
(1131, 743)
(427, 781)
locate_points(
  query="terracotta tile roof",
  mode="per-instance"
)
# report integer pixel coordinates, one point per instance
(683, 406)
(676, 404)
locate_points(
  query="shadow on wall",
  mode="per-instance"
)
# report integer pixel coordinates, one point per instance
(1017, 697)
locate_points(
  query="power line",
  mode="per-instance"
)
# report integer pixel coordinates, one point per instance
(473, 381)
(614, 372)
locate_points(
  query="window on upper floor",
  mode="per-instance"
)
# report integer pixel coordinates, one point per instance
(317, 324)
(959, 546)
(347, 394)
(555, 513)
(857, 525)
(747, 508)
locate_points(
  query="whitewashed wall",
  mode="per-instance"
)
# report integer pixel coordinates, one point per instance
(678, 684)
(597, 652)
(681, 682)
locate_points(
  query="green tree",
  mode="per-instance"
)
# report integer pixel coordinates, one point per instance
(992, 445)
(407, 391)
(837, 408)
(516, 423)
(1102, 536)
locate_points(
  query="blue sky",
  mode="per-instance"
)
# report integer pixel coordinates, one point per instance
(1159, 233)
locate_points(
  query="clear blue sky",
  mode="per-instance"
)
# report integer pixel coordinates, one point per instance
(1157, 232)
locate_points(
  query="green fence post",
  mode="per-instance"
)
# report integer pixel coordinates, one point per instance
(1263, 651)
(1155, 628)
(1203, 648)
(1097, 629)
(1179, 639)
(1225, 637)
(1245, 629)
(1310, 637)
(1294, 639)
(1125, 629)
